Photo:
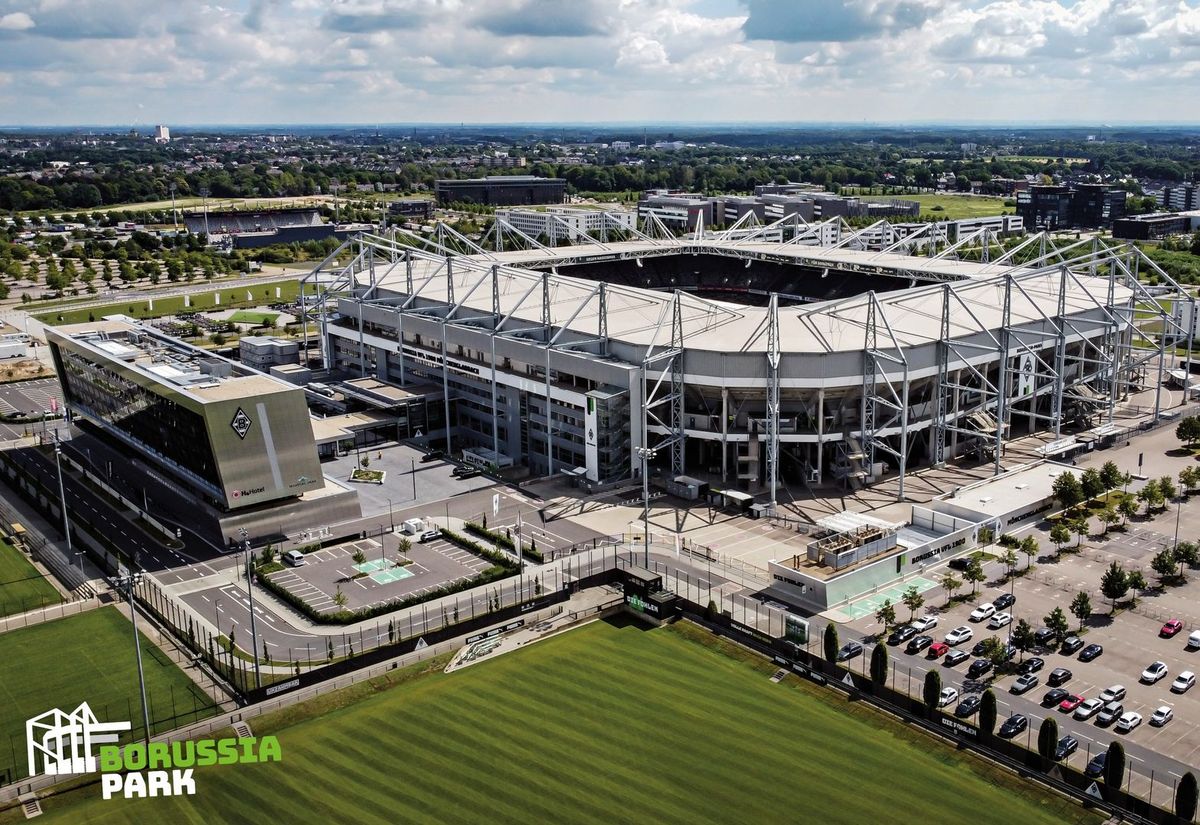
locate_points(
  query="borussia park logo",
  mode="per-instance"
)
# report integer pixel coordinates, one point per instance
(61, 743)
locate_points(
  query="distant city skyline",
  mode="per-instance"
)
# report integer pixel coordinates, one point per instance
(137, 63)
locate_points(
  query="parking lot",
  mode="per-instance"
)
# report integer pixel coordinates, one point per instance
(408, 480)
(379, 578)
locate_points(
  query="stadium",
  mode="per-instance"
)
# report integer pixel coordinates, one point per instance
(771, 358)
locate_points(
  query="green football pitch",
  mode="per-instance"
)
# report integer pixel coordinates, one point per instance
(608, 723)
(87, 658)
(22, 588)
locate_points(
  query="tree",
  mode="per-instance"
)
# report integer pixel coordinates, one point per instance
(329, 649)
(359, 557)
(1091, 483)
(1108, 517)
(1135, 580)
(1188, 430)
(994, 651)
(1166, 486)
(1111, 475)
(1081, 607)
(974, 574)
(985, 536)
(1060, 534)
(403, 546)
(391, 631)
(1056, 620)
(339, 598)
(1029, 546)
(1187, 479)
(831, 642)
(1080, 528)
(1187, 554)
(1009, 559)
(914, 601)
(1022, 637)
(987, 712)
(1114, 766)
(1127, 507)
(1067, 490)
(1048, 738)
(1187, 793)
(1148, 494)
(879, 664)
(1163, 564)
(1114, 584)
(951, 584)
(886, 614)
(932, 690)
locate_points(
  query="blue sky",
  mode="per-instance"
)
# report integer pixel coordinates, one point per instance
(393, 61)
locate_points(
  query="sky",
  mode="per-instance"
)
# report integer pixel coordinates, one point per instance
(141, 62)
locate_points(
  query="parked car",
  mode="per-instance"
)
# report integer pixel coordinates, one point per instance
(1043, 636)
(1066, 746)
(999, 620)
(980, 647)
(1031, 665)
(294, 558)
(959, 635)
(1161, 716)
(1095, 768)
(428, 536)
(1088, 709)
(464, 472)
(1013, 725)
(961, 563)
(938, 650)
(432, 455)
(1183, 682)
(1193, 642)
(1109, 713)
(1010, 650)
(1129, 721)
(979, 667)
(1058, 676)
(1074, 700)
(1070, 645)
(1170, 628)
(918, 644)
(955, 656)
(902, 634)
(1091, 652)
(984, 611)
(1023, 684)
(1004, 601)
(948, 696)
(1112, 694)
(1155, 672)
(925, 623)
(849, 651)
(1054, 696)
(968, 706)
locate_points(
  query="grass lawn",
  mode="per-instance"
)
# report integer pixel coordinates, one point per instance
(605, 724)
(88, 657)
(954, 207)
(249, 316)
(22, 587)
(263, 293)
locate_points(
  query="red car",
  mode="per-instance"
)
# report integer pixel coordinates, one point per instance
(938, 650)
(1070, 703)
(1171, 628)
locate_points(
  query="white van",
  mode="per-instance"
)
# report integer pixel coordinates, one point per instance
(294, 558)
(1194, 640)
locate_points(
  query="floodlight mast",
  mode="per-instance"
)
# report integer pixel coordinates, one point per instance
(128, 580)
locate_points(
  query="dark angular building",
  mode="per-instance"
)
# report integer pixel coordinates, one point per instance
(1086, 206)
(1150, 227)
(501, 190)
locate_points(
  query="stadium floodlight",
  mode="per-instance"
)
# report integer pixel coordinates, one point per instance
(250, 589)
(62, 496)
(646, 454)
(128, 580)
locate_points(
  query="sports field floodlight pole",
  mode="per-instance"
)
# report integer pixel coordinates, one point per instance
(250, 589)
(204, 199)
(62, 496)
(645, 454)
(129, 579)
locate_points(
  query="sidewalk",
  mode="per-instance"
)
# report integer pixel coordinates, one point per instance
(51, 613)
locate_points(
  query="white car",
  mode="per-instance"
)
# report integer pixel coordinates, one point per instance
(1155, 672)
(1183, 682)
(959, 635)
(294, 558)
(984, 611)
(1113, 694)
(1088, 709)
(948, 696)
(925, 623)
(1161, 716)
(1129, 721)
(1000, 620)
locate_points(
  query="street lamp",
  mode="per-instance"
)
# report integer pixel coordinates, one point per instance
(128, 580)
(63, 498)
(646, 454)
(391, 523)
(250, 589)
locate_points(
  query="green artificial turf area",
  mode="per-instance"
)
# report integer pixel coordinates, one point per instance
(22, 587)
(250, 316)
(88, 657)
(954, 207)
(260, 293)
(607, 723)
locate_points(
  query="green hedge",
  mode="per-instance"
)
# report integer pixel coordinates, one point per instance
(501, 539)
(503, 568)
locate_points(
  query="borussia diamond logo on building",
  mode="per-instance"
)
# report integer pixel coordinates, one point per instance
(241, 423)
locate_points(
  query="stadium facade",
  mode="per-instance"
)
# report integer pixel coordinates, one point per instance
(762, 355)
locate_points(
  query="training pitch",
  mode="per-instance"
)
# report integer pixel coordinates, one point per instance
(22, 587)
(607, 723)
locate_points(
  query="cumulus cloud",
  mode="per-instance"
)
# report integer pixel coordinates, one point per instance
(16, 21)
